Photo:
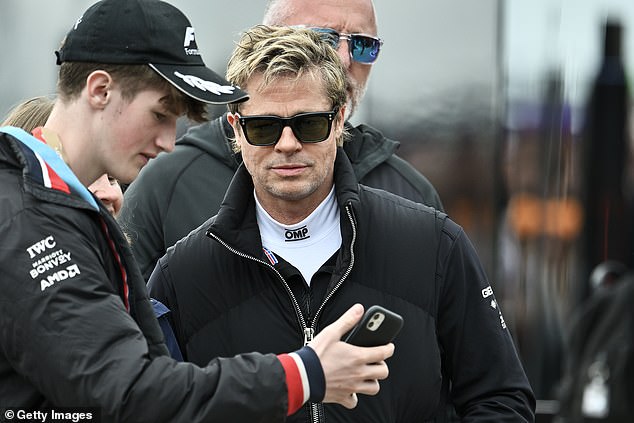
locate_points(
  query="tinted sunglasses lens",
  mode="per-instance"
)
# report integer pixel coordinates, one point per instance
(311, 128)
(328, 35)
(262, 131)
(364, 49)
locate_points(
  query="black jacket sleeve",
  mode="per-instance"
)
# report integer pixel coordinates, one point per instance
(65, 330)
(488, 381)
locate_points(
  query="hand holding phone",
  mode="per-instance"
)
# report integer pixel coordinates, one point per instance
(378, 326)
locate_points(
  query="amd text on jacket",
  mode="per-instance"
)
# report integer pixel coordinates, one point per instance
(51, 264)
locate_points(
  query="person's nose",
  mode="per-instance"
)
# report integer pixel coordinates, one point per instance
(166, 139)
(288, 142)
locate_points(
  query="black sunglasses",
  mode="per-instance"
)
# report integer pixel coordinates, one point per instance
(363, 48)
(308, 127)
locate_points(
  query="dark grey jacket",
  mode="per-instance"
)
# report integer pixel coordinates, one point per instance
(76, 326)
(227, 296)
(177, 192)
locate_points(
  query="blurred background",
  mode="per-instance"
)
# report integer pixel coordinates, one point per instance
(518, 112)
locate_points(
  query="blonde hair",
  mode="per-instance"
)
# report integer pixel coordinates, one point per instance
(30, 114)
(286, 52)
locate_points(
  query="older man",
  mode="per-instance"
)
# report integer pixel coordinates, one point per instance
(297, 240)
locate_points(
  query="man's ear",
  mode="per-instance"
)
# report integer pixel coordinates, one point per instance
(98, 87)
(342, 112)
(341, 120)
(232, 118)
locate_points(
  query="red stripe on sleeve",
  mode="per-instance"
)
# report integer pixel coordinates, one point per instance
(293, 383)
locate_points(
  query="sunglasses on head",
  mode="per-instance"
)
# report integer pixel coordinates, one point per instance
(307, 127)
(363, 48)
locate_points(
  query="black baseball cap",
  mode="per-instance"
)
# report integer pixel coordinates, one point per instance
(151, 32)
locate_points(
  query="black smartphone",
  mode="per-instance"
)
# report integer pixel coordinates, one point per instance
(378, 326)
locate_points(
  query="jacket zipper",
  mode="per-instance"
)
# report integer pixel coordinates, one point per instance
(346, 273)
(316, 409)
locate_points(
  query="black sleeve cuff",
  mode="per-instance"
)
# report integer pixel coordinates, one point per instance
(315, 373)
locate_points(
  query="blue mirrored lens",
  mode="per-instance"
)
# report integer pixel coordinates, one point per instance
(364, 49)
(329, 35)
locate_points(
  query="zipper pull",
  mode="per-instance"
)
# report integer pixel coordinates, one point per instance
(308, 335)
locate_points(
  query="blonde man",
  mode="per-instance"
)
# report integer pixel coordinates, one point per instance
(298, 240)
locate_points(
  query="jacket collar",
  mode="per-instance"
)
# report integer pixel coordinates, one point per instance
(45, 174)
(236, 223)
(367, 148)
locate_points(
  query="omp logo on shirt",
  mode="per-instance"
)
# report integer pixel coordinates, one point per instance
(296, 234)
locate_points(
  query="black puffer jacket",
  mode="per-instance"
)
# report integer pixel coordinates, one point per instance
(76, 326)
(178, 191)
(227, 296)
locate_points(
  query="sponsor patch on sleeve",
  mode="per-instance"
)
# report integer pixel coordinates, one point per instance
(487, 294)
(50, 264)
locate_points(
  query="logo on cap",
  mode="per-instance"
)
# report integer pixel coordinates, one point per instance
(203, 85)
(190, 37)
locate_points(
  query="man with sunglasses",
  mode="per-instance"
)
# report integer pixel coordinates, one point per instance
(181, 190)
(297, 240)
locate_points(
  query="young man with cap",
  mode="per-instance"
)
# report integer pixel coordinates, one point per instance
(76, 325)
(180, 191)
(298, 240)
